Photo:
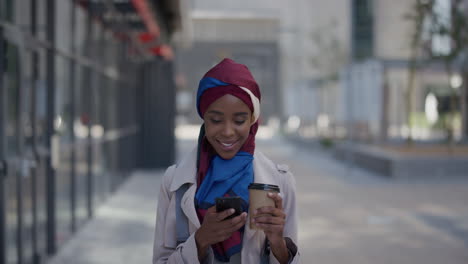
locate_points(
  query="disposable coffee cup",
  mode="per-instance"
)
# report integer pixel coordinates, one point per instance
(258, 193)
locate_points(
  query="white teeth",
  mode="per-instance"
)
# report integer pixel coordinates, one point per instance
(226, 145)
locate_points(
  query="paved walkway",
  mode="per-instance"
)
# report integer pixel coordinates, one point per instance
(352, 216)
(346, 216)
(122, 231)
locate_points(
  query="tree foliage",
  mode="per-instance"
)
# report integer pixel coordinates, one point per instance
(439, 23)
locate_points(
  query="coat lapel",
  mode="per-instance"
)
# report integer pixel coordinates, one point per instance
(188, 206)
(186, 172)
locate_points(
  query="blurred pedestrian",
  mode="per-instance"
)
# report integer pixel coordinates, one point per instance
(225, 163)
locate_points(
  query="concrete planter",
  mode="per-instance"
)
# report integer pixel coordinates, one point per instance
(391, 164)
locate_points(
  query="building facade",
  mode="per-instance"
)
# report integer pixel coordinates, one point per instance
(84, 101)
(378, 104)
(345, 69)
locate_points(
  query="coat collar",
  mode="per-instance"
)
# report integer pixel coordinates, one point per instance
(185, 171)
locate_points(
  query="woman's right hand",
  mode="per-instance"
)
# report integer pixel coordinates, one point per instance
(215, 229)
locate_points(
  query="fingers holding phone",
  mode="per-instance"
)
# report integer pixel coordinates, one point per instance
(220, 222)
(230, 208)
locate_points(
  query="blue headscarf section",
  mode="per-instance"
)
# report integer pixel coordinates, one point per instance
(205, 84)
(226, 178)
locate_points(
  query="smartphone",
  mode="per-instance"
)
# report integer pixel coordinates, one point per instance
(224, 203)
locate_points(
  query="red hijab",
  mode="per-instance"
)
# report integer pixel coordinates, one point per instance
(233, 76)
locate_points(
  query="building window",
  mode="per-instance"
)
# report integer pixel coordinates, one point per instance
(6, 10)
(440, 43)
(362, 29)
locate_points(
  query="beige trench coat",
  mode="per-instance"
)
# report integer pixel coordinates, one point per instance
(165, 248)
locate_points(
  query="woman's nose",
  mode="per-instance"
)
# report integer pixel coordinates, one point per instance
(228, 130)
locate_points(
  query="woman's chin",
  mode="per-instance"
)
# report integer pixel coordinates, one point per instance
(226, 155)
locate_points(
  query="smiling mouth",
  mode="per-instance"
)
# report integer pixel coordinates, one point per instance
(227, 146)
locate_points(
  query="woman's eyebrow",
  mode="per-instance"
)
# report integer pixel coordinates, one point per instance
(221, 113)
(215, 112)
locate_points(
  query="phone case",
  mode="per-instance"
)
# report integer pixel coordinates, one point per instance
(224, 203)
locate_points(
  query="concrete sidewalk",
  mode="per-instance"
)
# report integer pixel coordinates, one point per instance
(122, 229)
(350, 215)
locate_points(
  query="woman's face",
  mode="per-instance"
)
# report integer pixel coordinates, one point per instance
(227, 125)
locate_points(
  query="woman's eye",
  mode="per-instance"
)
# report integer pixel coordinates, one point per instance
(239, 122)
(215, 121)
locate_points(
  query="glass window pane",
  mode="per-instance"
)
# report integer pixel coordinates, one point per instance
(11, 80)
(6, 10)
(62, 132)
(22, 14)
(11, 218)
(11, 89)
(63, 24)
(81, 136)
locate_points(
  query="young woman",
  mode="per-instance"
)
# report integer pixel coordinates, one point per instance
(224, 164)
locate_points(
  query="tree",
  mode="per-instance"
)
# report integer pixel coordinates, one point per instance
(418, 15)
(443, 23)
(327, 59)
(330, 55)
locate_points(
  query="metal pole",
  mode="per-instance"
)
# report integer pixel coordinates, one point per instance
(35, 73)
(51, 212)
(21, 173)
(72, 118)
(385, 105)
(89, 108)
(464, 107)
(2, 158)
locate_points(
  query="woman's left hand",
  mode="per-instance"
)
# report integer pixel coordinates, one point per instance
(273, 226)
(273, 222)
